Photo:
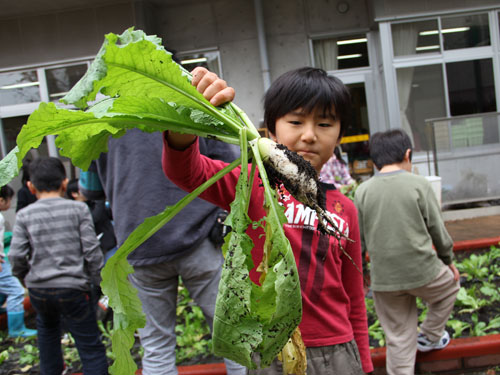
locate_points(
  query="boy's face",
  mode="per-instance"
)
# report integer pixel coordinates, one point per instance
(312, 135)
(5, 204)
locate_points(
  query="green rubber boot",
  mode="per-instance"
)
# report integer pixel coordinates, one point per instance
(16, 325)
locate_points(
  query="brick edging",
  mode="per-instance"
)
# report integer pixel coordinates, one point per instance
(479, 243)
(458, 348)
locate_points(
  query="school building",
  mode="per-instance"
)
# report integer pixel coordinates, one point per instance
(431, 67)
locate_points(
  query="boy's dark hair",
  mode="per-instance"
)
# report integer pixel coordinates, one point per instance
(47, 174)
(26, 174)
(307, 88)
(72, 188)
(389, 147)
(6, 192)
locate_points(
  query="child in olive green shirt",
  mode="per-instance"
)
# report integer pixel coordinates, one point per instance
(400, 222)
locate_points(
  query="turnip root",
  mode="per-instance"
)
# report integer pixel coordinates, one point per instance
(299, 178)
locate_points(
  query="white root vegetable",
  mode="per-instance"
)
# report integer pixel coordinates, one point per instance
(299, 178)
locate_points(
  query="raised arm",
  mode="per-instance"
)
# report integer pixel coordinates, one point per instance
(214, 89)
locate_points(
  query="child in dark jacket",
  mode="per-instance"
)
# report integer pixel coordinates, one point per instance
(56, 254)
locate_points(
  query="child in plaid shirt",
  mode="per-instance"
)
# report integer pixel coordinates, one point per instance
(335, 171)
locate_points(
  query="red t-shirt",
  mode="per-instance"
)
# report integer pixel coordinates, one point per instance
(333, 301)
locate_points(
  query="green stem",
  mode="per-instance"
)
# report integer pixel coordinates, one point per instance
(254, 133)
(268, 190)
(244, 157)
(250, 183)
(131, 245)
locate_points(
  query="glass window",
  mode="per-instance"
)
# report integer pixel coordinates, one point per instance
(12, 127)
(415, 37)
(421, 97)
(209, 60)
(471, 87)
(465, 31)
(341, 53)
(19, 88)
(61, 80)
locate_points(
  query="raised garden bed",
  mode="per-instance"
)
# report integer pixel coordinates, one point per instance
(464, 355)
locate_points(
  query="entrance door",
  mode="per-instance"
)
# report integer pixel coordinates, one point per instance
(355, 140)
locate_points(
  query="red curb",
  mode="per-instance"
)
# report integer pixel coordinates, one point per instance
(480, 243)
(458, 348)
(206, 369)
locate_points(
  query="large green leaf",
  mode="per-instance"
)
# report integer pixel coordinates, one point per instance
(127, 310)
(251, 319)
(9, 167)
(145, 89)
(137, 66)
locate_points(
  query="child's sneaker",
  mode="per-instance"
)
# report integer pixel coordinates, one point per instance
(424, 345)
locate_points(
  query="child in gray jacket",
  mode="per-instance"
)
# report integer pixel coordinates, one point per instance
(56, 254)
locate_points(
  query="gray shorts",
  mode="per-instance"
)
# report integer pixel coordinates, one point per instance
(341, 359)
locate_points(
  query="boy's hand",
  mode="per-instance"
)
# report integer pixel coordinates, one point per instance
(454, 270)
(213, 88)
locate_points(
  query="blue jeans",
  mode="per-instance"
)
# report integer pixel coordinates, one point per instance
(12, 288)
(157, 286)
(74, 308)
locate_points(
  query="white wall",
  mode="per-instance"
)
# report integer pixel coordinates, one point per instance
(230, 25)
(43, 38)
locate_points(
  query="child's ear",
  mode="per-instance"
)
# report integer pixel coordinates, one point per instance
(64, 184)
(31, 187)
(273, 137)
(407, 157)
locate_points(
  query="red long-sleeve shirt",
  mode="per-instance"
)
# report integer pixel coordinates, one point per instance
(333, 302)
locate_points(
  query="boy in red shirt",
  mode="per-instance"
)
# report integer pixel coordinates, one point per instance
(307, 111)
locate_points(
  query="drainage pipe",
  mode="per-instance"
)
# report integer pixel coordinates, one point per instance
(261, 34)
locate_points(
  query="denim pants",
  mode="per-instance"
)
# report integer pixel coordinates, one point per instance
(12, 288)
(72, 307)
(157, 286)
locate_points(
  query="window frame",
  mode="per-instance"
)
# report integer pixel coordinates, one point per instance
(344, 34)
(391, 63)
(25, 109)
(216, 50)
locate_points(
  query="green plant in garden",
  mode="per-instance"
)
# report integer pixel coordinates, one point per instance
(193, 333)
(106, 329)
(70, 353)
(28, 355)
(475, 267)
(376, 331)
(5, 354)
(491, 291)
(471, 300)
(457, 326)
(481, 328)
